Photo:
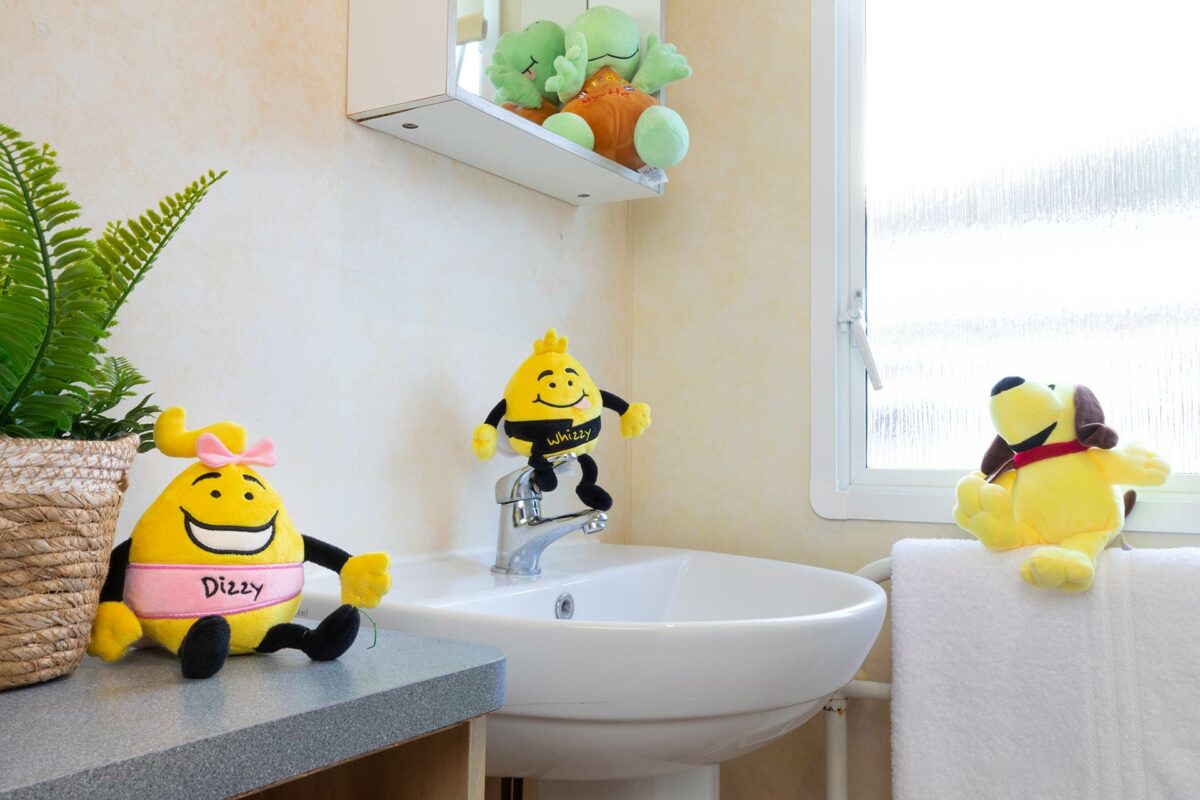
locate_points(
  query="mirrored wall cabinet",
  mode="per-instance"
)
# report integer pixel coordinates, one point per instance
(416, 71)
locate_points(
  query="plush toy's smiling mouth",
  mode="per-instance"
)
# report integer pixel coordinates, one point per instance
(1037, 440)
(240, 540)
(582, 402)
(618, 58)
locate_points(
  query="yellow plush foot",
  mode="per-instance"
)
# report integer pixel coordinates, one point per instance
(1059, 568)
(985, 509)
(113, 631)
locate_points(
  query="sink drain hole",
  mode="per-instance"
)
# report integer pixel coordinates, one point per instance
(564, 606)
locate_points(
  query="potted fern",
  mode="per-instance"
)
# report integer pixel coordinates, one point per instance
(65, 448)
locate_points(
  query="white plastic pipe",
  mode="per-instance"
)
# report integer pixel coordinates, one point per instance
(867, 690)
(837, 764)
(877, 571)
(837, 785)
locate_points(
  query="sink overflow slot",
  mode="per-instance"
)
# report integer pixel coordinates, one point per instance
(564, 606)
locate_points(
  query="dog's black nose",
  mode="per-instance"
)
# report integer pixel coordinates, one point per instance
(1005, 384)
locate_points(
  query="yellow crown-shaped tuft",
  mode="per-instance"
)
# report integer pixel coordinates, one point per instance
(174, 439)
(551, 343)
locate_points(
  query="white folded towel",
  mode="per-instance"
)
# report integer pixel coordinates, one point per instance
(1003, 690)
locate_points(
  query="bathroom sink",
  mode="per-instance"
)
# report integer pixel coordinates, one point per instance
(670, 659)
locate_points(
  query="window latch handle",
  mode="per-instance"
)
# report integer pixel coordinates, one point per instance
(851, 319)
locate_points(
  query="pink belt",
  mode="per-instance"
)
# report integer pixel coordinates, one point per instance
(181, 591)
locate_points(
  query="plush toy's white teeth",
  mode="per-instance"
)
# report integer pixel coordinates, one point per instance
(228, 538)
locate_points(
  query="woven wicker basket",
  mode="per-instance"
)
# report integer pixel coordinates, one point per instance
(59, 501)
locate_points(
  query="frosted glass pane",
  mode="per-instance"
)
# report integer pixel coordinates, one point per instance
(1033, 208)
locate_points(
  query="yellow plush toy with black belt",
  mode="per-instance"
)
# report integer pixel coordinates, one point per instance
(1053, 476)
(215, 565)
(551, 407)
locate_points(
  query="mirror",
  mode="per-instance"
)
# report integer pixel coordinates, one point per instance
(482, 22)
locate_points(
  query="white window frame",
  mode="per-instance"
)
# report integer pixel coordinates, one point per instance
(841, 486)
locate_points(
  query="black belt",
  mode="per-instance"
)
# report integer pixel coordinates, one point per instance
(549, 436)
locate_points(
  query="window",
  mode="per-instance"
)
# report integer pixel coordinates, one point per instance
(1008, 189)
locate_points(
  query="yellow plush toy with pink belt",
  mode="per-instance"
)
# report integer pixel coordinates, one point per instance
(1053, 476)
(215, 565)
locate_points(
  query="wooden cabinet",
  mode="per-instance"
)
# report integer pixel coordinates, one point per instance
(444, 765)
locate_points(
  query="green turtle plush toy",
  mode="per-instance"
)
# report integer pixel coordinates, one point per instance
(606, 81)
(521, 63)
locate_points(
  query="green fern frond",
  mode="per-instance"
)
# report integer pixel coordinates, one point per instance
(117, 380)
(49, 331)
(60, 294)
(127, 250)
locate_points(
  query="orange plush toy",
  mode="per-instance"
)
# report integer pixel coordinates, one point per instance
(606, 80)
(611, 107)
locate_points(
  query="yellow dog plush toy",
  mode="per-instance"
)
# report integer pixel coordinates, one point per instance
(215, 565)
(1053, 476)
(551, 407)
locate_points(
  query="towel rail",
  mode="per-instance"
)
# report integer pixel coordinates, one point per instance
(836, 761)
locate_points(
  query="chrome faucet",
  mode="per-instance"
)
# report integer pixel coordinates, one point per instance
(524, 532)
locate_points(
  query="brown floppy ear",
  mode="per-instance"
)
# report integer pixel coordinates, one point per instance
(1089, 421)
(998, 456)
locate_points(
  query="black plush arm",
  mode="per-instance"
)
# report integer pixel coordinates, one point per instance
(610, 400)
(114, 584)
(324, 554)
(493, 418)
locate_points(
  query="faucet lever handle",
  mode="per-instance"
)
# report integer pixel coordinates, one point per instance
(518, 485)
(563, 464)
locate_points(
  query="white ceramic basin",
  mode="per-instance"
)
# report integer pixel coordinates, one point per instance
(673, 659)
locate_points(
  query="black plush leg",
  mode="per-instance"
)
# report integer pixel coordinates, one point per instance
(591, 494)
(204, 648)
(285, 634)
(543, 473)
(332, 637)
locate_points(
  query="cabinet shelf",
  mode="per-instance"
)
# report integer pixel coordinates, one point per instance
(401, 81)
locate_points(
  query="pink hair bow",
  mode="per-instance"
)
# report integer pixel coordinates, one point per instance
(212, 452)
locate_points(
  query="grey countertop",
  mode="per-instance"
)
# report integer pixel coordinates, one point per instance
(138, 729)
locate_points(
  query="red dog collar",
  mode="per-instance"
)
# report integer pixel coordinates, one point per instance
(1028, 457)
